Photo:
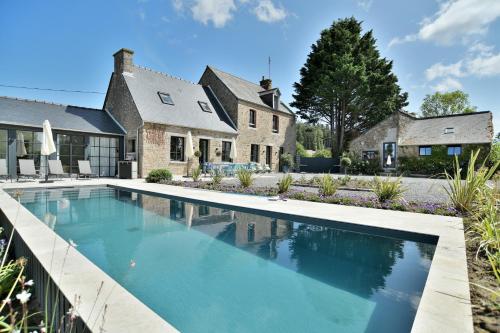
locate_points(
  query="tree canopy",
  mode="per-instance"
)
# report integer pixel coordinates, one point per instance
(313, 137)
(442, 104)
(346, 84)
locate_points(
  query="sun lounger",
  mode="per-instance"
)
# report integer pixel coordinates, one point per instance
(56, 168)
(4, 173)
(27, 169)
(84, 170)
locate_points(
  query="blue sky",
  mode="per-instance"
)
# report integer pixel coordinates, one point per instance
(435, 44)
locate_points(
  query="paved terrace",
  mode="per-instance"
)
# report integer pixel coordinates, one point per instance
(444, 307)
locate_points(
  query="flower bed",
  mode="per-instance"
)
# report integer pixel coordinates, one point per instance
(338, 199)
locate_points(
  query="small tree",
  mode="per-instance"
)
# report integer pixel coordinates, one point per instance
(345, 162)
(442, 104)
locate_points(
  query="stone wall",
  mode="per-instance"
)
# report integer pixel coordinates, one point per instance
(120, 104)
(374, 138)
(263, 134)
(154, 147)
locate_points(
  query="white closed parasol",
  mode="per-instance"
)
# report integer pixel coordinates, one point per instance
(48, 146)
(233, 153)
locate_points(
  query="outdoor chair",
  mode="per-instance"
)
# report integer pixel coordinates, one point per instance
(27, 169)
(84, 170)
(4, 173)
(56, 168)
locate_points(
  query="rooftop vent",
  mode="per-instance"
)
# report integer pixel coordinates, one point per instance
(449, 130)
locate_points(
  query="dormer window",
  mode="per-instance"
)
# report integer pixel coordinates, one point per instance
(449, 130)
(166, 98)
(276, 101)
(204, 106)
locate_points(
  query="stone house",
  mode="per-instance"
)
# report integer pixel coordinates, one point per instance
(158, 111)
(402, 134)
(266, 126)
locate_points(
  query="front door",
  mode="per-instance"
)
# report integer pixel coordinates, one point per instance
(389, 155)
(280, 166)
(269, 154)
(203, 151)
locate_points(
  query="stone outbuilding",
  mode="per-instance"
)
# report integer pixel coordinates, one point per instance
(402, 134)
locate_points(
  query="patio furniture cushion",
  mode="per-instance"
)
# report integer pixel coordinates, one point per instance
(27, 168)
(55, 167)
(3, 168)
(84, 168)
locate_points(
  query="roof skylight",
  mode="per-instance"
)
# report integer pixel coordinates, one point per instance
(204, 106)
(166, 98)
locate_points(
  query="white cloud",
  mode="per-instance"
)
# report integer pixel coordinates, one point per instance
(267, 12)
(365, 4)
(439, 70)
(217, 11)
(448, 84)
(178, 5)
(482, 49)
(456, 20)
(484, 65)
(402, 40)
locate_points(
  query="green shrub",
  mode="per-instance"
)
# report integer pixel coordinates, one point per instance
(439, 161)
(301, 151)
(345, 161)
(217, 176)
(485, 228)
(464, 193)
(388, 189)
(365, 167)
(159, 176)
(196, 174)
(344, 180)
(285, 183)
(327, 186)
(325, 153)
(245, 177)
(286, 160)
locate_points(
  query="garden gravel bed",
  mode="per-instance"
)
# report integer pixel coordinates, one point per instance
(348, 198)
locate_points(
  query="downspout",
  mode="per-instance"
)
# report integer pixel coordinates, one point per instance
(137, 145)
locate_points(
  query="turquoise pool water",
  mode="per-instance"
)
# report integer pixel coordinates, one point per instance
(210, 269)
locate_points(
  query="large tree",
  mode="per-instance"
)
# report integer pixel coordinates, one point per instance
(442, 104)
(346, 84)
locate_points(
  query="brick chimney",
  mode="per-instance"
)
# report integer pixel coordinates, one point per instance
(124, 61)
(266, 84)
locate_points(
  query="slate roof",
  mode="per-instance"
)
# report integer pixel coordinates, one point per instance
(245, 90)
(30, 113)
(468, 128)
(144, 85)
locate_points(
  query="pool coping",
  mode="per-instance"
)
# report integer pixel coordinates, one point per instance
(445, 303)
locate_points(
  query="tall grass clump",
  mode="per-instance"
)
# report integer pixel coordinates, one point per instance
(463, 193)
(388, 189)
(285, 183)
(485, 229)
(196, 174)
(245, 177)
(327, 186)
(217, 176)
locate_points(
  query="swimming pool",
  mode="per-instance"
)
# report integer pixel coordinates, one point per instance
(206, 268)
